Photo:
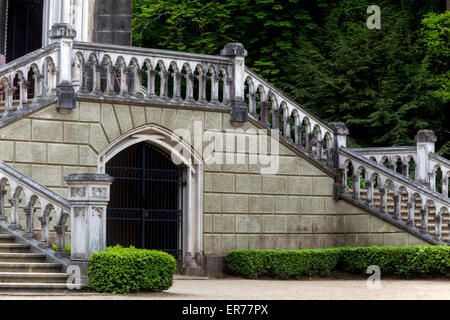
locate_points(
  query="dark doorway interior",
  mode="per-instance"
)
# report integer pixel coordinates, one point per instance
(145, 210)
(24, 32)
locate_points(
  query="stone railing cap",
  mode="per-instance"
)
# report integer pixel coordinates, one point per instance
(339, 128)
(62, 30)
(234, 49)
(83, 177)
(425, 136)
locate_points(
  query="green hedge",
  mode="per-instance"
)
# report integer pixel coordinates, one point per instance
(126, 270)
(286, 264)
(281, 264)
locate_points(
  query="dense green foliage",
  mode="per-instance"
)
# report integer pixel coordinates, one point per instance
(68, 249)
(281, 264)
(125, 270)
(405, 262)
(385, 84)
(284, 264)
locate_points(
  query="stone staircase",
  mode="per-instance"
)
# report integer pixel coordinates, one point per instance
(22, 270)
(404, 212)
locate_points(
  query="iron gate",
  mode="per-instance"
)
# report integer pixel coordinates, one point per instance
(145, 210)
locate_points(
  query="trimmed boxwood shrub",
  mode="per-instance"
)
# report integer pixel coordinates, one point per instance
(282, 264)
(285, 264)
(125, 270)
(403, 262)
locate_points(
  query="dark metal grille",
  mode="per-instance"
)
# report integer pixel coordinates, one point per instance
(145, 210)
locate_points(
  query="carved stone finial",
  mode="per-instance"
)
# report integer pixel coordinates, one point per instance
(339, 128)
(425, 136)
(62, 30)
(234, 49)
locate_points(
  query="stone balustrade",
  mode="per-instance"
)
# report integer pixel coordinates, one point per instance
(419, 163)
(357, 171)
(27, 197)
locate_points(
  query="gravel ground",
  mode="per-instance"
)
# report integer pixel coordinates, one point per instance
(239, 289)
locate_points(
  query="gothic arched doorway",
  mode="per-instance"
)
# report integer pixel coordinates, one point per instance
(20, 27)
(146, 204)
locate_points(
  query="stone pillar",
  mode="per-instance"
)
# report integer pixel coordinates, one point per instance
(445, 186)
(356, 186)
(438, 226)
(383, 204)
(397, 206)
(275, 119)
(340, 139)
(411, 213)
(64, 34)
(298, 135)
(424, 220)
(29, 221)
(432, 180)
(369, 187)
(237, 53)
(151, 83)
(425, 140)
(89, 196)
(14, 202)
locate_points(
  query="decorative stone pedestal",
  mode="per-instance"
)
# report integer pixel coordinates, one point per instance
(89, 195)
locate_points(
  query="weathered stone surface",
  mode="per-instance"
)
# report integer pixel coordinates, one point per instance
(47, 175)
(212, 243)
(62, 154)
(168, 118)
(224, 182)
(322, 186)
(300, 224)
(87, 156)
(207, 223)
(248, 183)
(89, 111)
(287, 242)
(287, 205)
(234, 203)
(47, 131)
(51, 113)
(248, 224)
(212, 203)
(395, 239)
(274, 185)
(324, 224)
(300, 185)
(213, 121)
(380, 226)
(20, 130)
(241, 242)
(28, 152)
(109, 122)
(228, 243)
(308, 169)
(261, 204)
(124, 117)
(275, 224)
(312, 205)
(224, 224)
(208, 182)
(358, 224)
(6, 151)
(153, 115)
(290, 165)
(76, 133)
(98, 140)
(138, 114)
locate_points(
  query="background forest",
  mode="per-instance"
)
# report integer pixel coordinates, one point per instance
(384, 84)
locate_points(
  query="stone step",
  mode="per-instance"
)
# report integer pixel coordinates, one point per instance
(22, 257)
(7, 238)
(17, 287)
(14, 248)
(29, 277)
(30, 267)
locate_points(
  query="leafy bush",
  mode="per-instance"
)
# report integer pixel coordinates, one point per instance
(68, 249)
(282, 264)
(403, 262)
(125, 270)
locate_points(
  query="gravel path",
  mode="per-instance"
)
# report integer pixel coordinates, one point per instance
(239, 289)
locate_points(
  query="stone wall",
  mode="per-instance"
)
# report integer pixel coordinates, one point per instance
(242, 208)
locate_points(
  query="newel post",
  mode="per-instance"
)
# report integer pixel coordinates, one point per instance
(89, 195)
(425, 140)
(340, 139)
(64, 34)
(237, 53)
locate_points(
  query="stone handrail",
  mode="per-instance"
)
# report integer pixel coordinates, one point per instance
(22, 188)
(309, 131)
(376, 175)
(122, 71)
(436, 162)
(36, 71)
